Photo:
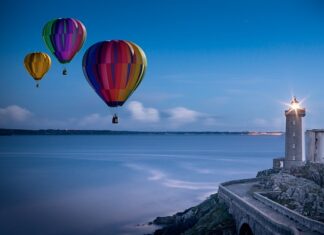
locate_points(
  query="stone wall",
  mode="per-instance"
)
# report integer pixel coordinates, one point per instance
(311, 224)
(244, 212)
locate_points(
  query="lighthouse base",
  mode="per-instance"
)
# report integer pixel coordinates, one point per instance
(288, 164)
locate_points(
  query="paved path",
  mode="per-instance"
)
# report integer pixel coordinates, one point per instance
(244, 191)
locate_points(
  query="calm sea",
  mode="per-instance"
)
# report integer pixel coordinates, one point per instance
(114, 184)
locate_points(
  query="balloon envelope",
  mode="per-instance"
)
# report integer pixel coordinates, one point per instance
(37, 64)
(64, 37)
(114, 69)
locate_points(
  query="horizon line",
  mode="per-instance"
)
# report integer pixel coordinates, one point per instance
(13, 131)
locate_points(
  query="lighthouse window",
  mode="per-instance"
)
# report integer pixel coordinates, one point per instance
(294, 146)
(294, 157)
(294, 134)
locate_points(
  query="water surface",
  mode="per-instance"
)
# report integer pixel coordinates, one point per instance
(115, 183)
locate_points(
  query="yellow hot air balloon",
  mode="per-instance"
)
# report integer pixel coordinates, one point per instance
(37, 64)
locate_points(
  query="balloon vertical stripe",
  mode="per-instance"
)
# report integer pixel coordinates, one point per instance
(64, 37)
(114, 69)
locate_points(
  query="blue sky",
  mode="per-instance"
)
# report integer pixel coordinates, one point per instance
(212, 65)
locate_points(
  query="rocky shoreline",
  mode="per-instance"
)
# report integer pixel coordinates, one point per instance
(301, 189)
(209, 217)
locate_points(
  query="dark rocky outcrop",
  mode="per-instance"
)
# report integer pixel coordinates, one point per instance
(208, 218)
(267, 172)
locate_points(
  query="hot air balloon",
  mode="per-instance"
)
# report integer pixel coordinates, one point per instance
(114, 69)
(64, 37)
(37, 64)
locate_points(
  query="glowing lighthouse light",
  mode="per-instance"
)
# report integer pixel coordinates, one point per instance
(295, 105)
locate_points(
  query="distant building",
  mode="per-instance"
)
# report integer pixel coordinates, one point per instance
(315, 146)
(294, 135)
(278, 163)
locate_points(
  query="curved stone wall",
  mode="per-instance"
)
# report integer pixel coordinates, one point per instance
(311, 224)
(244, 212)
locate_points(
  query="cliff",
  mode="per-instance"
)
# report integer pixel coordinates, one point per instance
(301, 189)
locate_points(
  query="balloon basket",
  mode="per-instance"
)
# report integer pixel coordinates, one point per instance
(64, 72)
(114, 119)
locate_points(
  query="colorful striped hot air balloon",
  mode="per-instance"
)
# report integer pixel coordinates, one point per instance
(37, 64)
(114, 69)
(64, 37)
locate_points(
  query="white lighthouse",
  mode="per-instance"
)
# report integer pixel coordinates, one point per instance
(294, 135)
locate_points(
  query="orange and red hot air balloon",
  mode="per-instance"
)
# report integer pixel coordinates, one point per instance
(114, 69)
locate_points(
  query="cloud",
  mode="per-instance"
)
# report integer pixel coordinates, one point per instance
(134, 117)
(15, 116)
(182, 115)
(170, 118)
(14, 113)
(140, 113)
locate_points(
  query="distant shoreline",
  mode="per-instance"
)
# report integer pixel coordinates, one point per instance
(9, 132)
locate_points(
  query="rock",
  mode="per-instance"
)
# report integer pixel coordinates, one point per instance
(311, 171)
(267, 172)
(304, 194)
(209, 217)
